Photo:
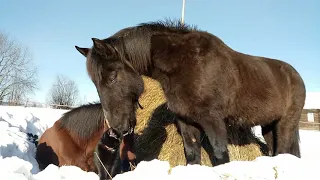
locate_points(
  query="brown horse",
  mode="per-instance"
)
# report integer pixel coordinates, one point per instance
(73, 139)
(206, 83)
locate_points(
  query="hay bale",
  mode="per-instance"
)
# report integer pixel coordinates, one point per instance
(157, 136)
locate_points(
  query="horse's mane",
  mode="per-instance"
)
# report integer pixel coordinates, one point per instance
(168, 25)
(134, 43)
(84, 121)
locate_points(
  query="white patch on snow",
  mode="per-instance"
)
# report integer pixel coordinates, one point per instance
(154, 169)
(53, 172)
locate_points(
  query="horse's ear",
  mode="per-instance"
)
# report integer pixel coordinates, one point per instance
(99, 44)
(83, 51)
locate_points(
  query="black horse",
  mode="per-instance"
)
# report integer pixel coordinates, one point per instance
(206, 83)
(106, 155)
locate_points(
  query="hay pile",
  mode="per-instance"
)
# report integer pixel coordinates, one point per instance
(157, 136)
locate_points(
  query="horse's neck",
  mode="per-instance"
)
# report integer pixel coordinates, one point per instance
(160, 58)
(162, 62)
(93, 141)
(87, 144)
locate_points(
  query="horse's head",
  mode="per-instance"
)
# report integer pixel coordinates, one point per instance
(118, 85)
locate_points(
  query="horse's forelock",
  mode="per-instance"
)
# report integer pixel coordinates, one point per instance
(94, 68)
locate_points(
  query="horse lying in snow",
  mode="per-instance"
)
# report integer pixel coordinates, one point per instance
(72, 140)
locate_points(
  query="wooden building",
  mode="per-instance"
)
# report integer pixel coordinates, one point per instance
(310, 116)
(310, 119)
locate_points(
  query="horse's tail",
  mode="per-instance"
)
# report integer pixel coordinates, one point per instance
(295, 146)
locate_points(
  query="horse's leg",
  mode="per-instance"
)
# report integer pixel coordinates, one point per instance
(191, 141)
(101, 171)
(267, 132)
(295, 146)
(288, 134)
(45, 155)
(216, 131)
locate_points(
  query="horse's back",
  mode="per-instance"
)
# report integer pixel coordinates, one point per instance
(210, 74)
(266, 87)
(272, 75)
(253, 87)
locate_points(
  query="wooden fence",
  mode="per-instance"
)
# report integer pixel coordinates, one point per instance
(309, 119)
(38, 104)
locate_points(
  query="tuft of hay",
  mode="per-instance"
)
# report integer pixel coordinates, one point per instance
(157, 136)
(150, 99)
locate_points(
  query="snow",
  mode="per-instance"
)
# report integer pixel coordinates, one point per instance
(312, 100)
(310, 145)
(16, 122)
(16, 168)
(261, 168)
(17, 156)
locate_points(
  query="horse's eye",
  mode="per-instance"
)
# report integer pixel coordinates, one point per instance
(112, 77)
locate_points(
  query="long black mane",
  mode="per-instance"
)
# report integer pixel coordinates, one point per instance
(84, 121)
(134, 43)
(169, 26)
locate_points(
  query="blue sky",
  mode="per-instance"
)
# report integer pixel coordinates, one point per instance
(288, 30)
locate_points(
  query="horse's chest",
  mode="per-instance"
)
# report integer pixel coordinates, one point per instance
(184, 98)
(179, 105)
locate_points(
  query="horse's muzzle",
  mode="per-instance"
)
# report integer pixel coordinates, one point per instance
(112, 133)
(130, 131)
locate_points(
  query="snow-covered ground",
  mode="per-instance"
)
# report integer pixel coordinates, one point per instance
(17, 156)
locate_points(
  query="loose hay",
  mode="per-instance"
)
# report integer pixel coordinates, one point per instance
(157, 136)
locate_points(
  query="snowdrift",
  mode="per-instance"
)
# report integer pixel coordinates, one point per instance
(17, 156)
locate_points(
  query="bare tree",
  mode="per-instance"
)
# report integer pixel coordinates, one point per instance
(64, 91)
(17, 72)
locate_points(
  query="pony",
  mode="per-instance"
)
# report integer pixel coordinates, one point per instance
(73, 138)
(206, 83)
(107, 158)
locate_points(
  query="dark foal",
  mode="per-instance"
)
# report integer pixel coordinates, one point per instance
(106, 157)
(205, 83)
